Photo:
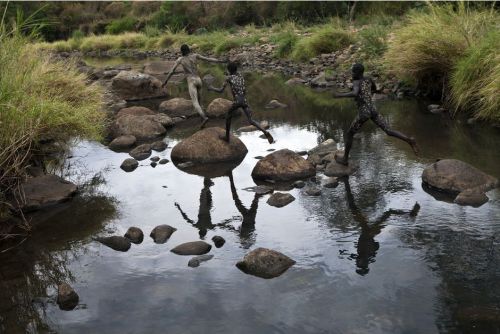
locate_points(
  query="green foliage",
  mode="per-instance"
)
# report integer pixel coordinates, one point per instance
(374, 40)
(285, 43)
(325, 40)
(475, 81)
(119, 26)
(77, 34)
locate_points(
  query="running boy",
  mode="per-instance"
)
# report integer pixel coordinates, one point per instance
(362, 93)
(238, 89)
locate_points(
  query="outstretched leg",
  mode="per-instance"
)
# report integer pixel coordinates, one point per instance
(381, 123)
(248, 114)
(348, 137)
(193, 86)
(229, 117)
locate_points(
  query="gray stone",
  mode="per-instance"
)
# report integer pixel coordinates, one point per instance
(155, 159)
(325, 147)
(250, 128)
(153, 164)
(471, 197)
(192, 248)
(134, 111)
(159, 146)
(115, 242)
(163, 161)
(260, 190)
(142, 127)
(129, 164)
(122, 142)
(132, 85)
(280, 200)
(196, 261)
(265, 263)
(178, 107)
(312, 191)
(283, 165)
(299, 184)
(162, 233)
(141, 152)
(218, 108)
(274, 104)
(67, 298)
(331, 182)
(218, 241)
(135, 235)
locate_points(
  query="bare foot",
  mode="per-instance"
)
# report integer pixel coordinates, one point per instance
(203, 123)
(270, 138)
(341, 160)
(414, 146)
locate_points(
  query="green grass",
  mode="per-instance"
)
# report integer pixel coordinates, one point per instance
(121, 25)
(40, 98)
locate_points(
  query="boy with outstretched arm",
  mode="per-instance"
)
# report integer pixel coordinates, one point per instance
(362, 92)
(238, 89)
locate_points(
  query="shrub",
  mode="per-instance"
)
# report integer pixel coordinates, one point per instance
(374, 40)
(285, 43)
(475, 81)
(325, 40)
(119, 26)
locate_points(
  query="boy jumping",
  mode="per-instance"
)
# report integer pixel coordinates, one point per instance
(188, 63)
(362, 93)
(238, 89)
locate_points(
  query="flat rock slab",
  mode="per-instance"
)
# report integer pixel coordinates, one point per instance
(283, 165)
(265, 263)
(280, 200)
(129, 164)
(162, 233)
(67, 298)
(43, 191)
(338, 170)
(192, 248)
(117, 243)
(197, 260)
(135, 235)
(141, 152)
(206, 146)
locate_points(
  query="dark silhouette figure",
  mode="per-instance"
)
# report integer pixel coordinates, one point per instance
(362, 90)
(367, 247)
(238, 89)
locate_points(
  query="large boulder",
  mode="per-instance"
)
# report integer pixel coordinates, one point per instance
(134, 111)
(218, 108)
(43, 191)
(132, 85)
(192, 248)
(459, 178)
(283, 165)
(265, 263)
(206, 146)
(178, 107)
(67, 298)
(142, 127)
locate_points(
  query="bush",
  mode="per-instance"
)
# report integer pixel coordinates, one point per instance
(121, 25)
(285, 43)
(475, 81)
(327, 39)
(374, 40)
(40, 98)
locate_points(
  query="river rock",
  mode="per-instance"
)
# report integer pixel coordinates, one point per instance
(134, 111)
(132, 85)
(195, 261)
(338, 170)
(178, 107)
(163, 161)
(274, 104)
(280, 200)
(260, 190)
(299, 184)
(67, 298)
(43, 191)
(471, 197)
(164, 120)
(250, 128)
(312, 191)
(436, 109)
(265, 263)
(454, 176)
(218, 241)
(206, 146)
(141, 152)
(115, 242)
(134, 234)
(162, 233)
(155, 159)
(142, 127)
(129, 164)
(295, 81)
(153, 164)
(218, 108)
(283, 165)
(160, 68)
(159, 146)
(192, 248)
(331, 182)
(328, 146)
(122, 142)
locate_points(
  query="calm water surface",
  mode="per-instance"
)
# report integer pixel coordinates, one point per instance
(356, 273)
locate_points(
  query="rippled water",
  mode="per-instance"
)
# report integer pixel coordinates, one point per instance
(357, 270)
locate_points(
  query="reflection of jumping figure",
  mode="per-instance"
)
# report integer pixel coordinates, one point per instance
(367, 247)
(238, 89)
(188, 63)
(362, 92)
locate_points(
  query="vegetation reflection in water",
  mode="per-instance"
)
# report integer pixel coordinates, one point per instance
(365, 262)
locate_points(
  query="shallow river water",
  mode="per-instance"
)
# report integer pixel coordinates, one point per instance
(437, 272)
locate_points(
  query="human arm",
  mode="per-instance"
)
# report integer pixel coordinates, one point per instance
(218, 90)
(211, 60)
(172, 70)
(353, 93)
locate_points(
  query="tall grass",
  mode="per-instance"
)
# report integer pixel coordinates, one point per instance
(39, 98)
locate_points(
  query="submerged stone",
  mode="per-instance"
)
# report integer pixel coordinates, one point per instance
(196, 261)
